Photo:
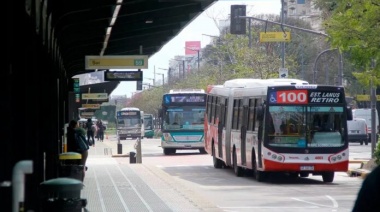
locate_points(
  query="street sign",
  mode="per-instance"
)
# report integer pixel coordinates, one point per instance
(366, 98)
(94, 96)
(123, 75)
(76, 87)
(117, 62)
(93, 106)
(274, 37)
(283, 73)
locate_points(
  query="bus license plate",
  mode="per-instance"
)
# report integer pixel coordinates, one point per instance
(307, 168)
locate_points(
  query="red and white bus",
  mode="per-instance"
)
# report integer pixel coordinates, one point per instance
(277, 125)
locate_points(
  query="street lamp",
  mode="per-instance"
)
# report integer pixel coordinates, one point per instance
(219, 56)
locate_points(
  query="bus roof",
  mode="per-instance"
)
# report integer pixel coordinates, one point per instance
(189, 90)
(253, 83)
(130, 109)
(251, 87)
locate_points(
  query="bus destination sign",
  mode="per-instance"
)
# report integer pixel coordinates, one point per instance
(304, 97)
(184, 98)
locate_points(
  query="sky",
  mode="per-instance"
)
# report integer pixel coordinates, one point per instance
(195, 31)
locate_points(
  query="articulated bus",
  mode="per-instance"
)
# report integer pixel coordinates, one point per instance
(148, 126)
(182, 116)
(277, 125)
(129, 123)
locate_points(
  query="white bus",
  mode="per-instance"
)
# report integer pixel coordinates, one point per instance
(277, 125)
(129, 123)
(182, 116)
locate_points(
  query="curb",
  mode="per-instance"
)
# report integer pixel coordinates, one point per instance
(120, 155)
(362, 173)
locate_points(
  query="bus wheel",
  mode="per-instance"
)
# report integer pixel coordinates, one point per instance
(259, 175)
(361, 142)
(167, 151)
(328, 177)
(238, 170)
(217, 162)
(202, 151)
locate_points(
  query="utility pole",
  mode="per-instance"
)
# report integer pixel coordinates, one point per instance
(154, 76)
(373, 112)
(282, 43)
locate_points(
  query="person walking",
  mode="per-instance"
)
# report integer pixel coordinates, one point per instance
(100, 130)
(73, 131)
(90, 132)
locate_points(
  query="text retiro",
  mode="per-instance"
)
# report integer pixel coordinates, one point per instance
(324, 97)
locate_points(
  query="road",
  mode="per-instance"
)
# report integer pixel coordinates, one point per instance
(240, 194)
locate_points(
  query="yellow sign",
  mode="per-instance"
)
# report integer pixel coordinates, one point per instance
(365, 98)
(274, 36)
(94, 96)
(93, 106)
(117, 62)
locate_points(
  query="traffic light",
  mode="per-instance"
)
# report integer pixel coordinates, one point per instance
(238, 25)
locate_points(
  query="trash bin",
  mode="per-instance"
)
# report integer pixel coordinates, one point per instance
(70, 165)
(62, 195)
(132, 157)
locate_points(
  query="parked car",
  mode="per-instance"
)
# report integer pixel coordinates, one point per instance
(365, 113)
(357, 131)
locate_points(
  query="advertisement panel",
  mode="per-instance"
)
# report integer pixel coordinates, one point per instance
(192, 47)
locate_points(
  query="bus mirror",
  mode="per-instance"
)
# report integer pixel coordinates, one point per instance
(349, 113)
(260, 113)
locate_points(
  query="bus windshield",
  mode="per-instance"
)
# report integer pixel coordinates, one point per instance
(184, 117)
(148, 122)
(128, 121)
(305, 126)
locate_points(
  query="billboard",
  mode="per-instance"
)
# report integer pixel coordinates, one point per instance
(192, 47)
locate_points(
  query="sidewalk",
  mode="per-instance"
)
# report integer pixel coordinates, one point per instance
(112, 184)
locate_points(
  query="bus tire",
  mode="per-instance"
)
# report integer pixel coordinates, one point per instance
(328, 177)
(216, 161)
(237, 169)
(202, 151)
(167, 151)
(260, 176)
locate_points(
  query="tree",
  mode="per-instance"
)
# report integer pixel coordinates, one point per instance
(354, 27)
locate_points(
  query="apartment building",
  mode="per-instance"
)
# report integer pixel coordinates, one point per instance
(304, 9)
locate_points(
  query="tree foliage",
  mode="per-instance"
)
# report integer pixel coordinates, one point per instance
(354, 27)
(230, 56)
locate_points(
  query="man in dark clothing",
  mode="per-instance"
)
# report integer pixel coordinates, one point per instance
(369, 194)
(90, 132)
(101, 129)
(73, 146)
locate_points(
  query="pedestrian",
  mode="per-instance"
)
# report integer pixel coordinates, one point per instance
(100, 130)
(74, 130)
(369, 193)
(90, 132)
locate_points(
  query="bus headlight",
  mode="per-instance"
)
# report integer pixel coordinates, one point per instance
(167, 137)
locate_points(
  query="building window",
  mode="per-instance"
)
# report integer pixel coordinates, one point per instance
(300, 1)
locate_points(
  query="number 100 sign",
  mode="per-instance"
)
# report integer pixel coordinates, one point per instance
(293, 96)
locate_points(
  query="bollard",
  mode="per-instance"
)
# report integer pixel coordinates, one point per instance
(119, 148)
(138, 150)
(132, 157)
